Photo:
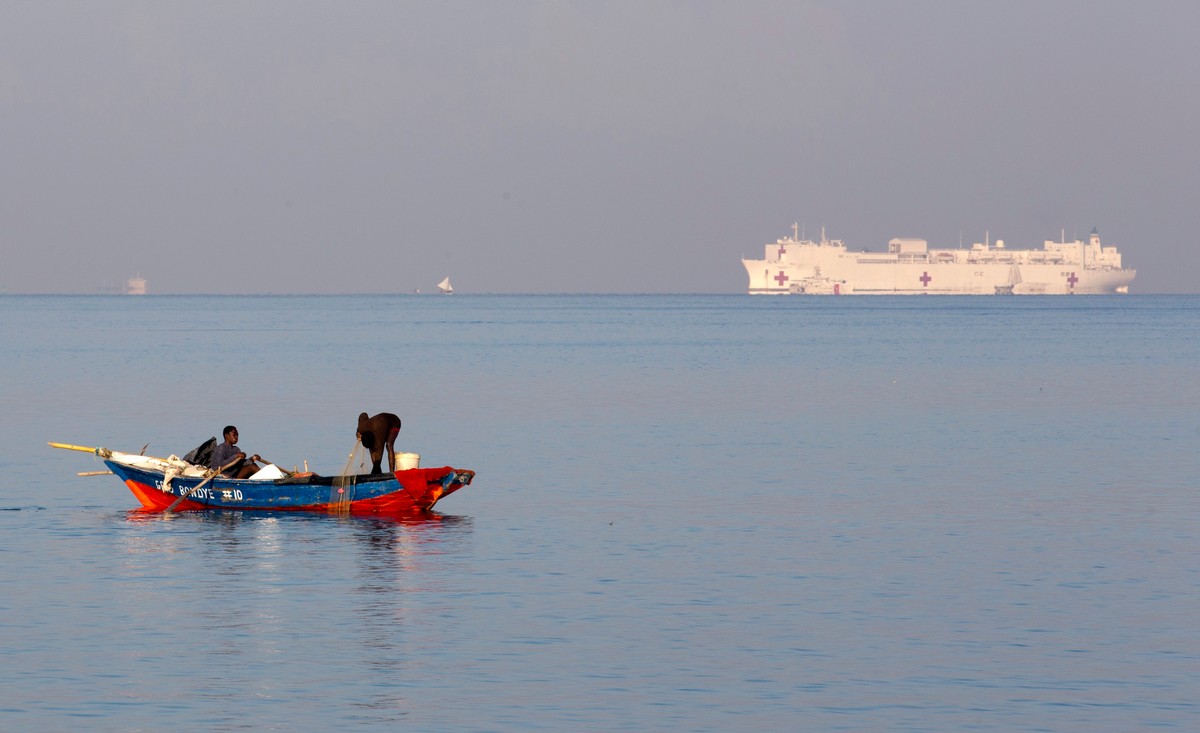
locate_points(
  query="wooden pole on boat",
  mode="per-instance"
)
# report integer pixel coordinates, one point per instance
(196, 488)
(276, 465)
(94, 473)
(68, 446)
(102, 452)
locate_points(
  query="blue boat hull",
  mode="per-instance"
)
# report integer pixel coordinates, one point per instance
(416, 489)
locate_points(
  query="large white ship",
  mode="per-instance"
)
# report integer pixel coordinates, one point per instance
(793, 265)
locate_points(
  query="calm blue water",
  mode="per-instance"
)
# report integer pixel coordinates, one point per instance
(692, 513)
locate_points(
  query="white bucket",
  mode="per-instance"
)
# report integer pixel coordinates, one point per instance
(405, 461)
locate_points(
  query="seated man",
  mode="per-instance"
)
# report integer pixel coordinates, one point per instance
(228, 452)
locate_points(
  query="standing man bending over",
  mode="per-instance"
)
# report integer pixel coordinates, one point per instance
(377, 433)
(228, 452)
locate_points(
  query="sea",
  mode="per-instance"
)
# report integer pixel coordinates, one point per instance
(690, 513)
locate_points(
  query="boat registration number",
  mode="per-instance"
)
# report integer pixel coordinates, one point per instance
(204, 493)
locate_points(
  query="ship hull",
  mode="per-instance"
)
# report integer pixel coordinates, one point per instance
(910, 267)
(935, 279)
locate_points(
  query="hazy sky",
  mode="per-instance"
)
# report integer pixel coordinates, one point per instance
(229, 147)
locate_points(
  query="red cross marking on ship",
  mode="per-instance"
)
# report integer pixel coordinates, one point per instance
(780, 278)
(782, 250)
(1071, 280)
(925, 278)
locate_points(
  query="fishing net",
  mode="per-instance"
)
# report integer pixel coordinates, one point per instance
(341, 490)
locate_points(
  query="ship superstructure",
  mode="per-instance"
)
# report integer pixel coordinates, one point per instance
(793, 265)
(135, 285)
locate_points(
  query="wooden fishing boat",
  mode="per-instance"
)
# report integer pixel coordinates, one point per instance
(173, 484)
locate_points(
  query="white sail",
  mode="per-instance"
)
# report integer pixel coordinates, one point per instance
(445, 286)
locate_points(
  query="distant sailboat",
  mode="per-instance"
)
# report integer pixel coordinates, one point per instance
(1014, 279)
(445, 286)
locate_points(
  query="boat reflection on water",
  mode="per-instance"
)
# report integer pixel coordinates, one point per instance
(426, 520)
(234, 516)
(236, 544)
(350, 593)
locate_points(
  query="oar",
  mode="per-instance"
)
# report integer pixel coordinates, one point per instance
(197, 487)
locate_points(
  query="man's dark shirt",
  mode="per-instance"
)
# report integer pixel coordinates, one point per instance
(224, 453)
